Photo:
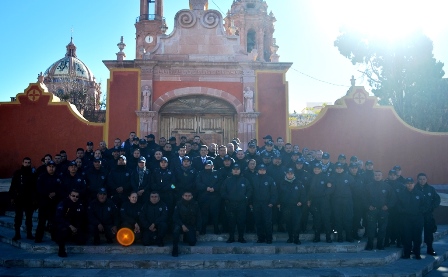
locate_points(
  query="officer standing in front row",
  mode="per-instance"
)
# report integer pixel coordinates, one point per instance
(432, 201)
(411, 207)
(263, 200)
(236, 191)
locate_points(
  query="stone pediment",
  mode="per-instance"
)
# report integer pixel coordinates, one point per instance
(198, 35)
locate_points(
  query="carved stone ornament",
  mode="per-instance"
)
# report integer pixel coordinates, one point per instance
(186, 19)
(198, 4)
(210, 19)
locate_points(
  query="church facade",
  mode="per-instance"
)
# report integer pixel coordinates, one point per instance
(215, 77)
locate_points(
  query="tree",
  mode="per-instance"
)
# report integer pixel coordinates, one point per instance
(402, 73)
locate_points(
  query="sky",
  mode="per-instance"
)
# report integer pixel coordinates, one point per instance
(35, 33)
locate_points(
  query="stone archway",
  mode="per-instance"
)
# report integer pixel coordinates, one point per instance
(236, 123)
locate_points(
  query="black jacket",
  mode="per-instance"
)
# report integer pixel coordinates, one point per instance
(187, 213)
(236, 189)
(153, 214)
(23, 186)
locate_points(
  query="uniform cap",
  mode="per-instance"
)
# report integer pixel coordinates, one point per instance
(172, 139)
(397, 167)
(277, 156)
(97, 160)
(123, 157)
(317, 165)
(392, 172)
(300, 161)
(208, 162)
(142, 160)
(102, 191)
(409, 180)
(341, 156)
(142, 141)
(186, 158)
(369, 162)
(164, 159)
(252, 145)
(353, 159)
(289, 170)
(151, 136)
(297, 153)
(266, 154)
(262, 166)
(353, 165)
(338, 165)
(89, 143)
(268, 137)
(135, 139)
(236, 166)
(270, 143)
(51, 163)
(69, 164)
(325, 155)
(227, 158)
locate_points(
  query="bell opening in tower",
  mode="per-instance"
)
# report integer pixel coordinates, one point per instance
(251, 40)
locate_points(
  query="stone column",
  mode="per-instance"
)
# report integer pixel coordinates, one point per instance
(148, 122)
(247, 123)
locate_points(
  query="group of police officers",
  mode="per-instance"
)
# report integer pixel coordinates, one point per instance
(159, 188)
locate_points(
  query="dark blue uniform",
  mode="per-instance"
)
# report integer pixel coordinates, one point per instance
(343, 204)
(264, 199)
(292, 192)
(432, 201)
(106, 214)
(209, 202)
(156, 214)
(319, 196)
(70, 213)
(236, 190)
(411, 208)
(119, 177)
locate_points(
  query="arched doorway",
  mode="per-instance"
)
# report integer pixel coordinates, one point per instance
(213, 119)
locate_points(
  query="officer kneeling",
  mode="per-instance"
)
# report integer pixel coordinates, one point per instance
(187, 220)
(70, 222)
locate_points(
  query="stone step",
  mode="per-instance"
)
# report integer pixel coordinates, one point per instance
(8, 222)
(207, 247)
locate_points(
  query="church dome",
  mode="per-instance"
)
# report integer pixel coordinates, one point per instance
(69, 67)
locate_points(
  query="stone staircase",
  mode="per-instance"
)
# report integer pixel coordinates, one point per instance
(212, 257)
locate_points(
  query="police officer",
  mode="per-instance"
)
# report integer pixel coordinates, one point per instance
(119, 182)
(235, 191)
(343, 202)
(185, 178)
(319, 196)
(22, 193)
(48, 190)
(411, 207)
(72, 180)
(357, 196)
(209, 198)
(141, 179)
(164, 182)
(129, 214)
(305, 178)
(70, 221)
(277, 171)
(103, 217)
(379, 197)
(292, 198)
(95, 179)
(432, 201)
(394, 226)
(153, 220)
(263, 200)
(187, 220)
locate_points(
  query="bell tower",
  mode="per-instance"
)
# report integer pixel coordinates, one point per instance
(148, 25)
(250, 20)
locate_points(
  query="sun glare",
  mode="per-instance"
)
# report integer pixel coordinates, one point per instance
(387, 19)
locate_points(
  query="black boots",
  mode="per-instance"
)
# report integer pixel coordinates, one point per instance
(297, 240)
(316, 237)
(61, 252)
(17, 235)
(29, 233)
(430, 251)
(175, 252)
(328, 238)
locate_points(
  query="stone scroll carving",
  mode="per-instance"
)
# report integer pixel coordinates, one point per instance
(186, 19)
(210, 19)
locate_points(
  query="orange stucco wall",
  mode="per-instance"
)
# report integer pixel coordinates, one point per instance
(376, 133)
(122, 102)
(35, 128)
(272, 103)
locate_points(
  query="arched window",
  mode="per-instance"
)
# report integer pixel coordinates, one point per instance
(251, 40)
